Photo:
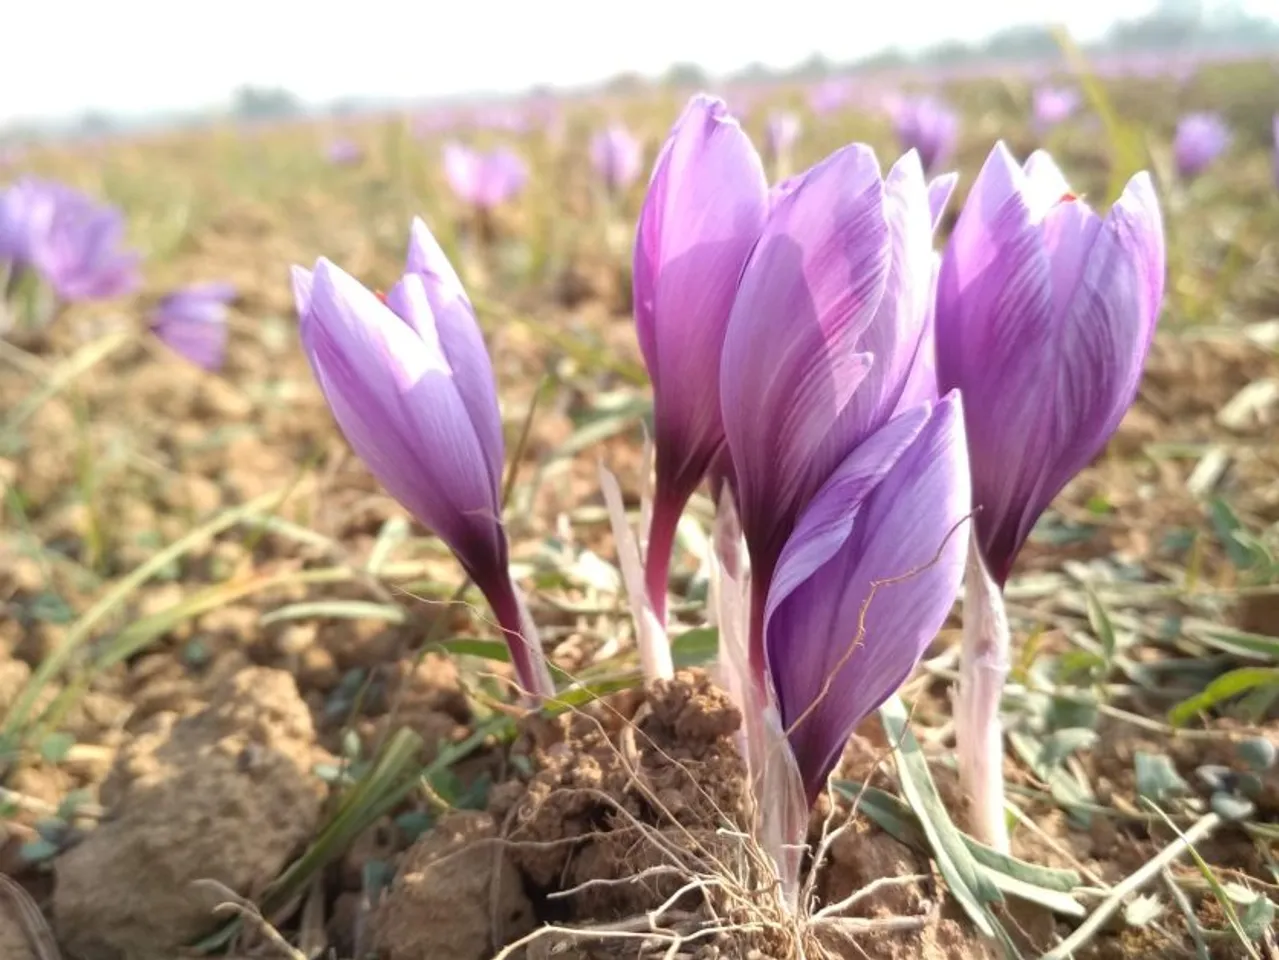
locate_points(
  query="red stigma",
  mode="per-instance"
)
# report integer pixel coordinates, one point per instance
(380, 295)
(1068, 197)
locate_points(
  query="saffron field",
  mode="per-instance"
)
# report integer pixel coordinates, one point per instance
(313, 645)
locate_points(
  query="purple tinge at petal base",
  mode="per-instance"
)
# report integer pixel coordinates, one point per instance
(866, 580)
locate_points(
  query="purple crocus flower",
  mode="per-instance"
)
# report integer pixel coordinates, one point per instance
(861, 589)
(70, 240)
(484, 179)
(1045, 312)
(928, 126)
(1053, 105)
(617, 157)
(192, 322)
(842, 493)
(837, 287)
(1201, 138)
(830, 96)
(780, 134)
(344, 153)
(410, 384)
(704, 210)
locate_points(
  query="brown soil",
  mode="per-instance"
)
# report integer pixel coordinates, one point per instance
(629, 803)
(224, 794)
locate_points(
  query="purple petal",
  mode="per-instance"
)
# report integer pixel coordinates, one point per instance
(453, 320)
(866, 581)
(940, 190)
(791, 363)
(1044, 316)
(394, 396)
(192, 322)
(704, 210)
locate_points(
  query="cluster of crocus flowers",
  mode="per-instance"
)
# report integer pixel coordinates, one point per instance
(1044, 316)
(927, 126)
(871, 397)
(618, 157)
(1200, 139)
(783, 331)
(192, 322)
(1052, 106)
(411, 386)
(67, 239)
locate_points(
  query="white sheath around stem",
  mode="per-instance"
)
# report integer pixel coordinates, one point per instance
(650, 634)
(533, 640)
(983, 668)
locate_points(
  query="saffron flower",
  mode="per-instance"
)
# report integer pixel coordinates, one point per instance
(1200, 139)
(704, 210)
(484, 180)
(1044, 316)
(344, 153)
(851, 505)
(71, 241)
(192, 322)
(928, 126)
(617, 157)
(1054, 105)
(411, 386)
(825, 329)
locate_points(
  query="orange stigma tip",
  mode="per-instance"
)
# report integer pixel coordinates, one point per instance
(1067, 198)
(380, 295)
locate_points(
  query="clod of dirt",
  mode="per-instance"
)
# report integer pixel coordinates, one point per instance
(601, 784)
(225, 794)
(446, 900)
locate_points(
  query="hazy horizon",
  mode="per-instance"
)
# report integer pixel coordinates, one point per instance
(160, 66)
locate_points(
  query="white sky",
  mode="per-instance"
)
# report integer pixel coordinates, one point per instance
(134, 56)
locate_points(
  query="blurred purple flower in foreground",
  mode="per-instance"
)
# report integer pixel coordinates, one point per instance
(484, 179)
(192, 322)
(411, 385)
(928, 126)
(1044, 315)
(1054, 105)
(617, 157)
(1201, 138)
(71, 241)
(344, 153)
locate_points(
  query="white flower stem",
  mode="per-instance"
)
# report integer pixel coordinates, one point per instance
(983, 668)
(544, 685)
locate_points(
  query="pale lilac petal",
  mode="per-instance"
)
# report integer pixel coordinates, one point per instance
(453, 319)
(921, 381)
(812, 286)
(883, 562)
(1045, 184)
(940, 190)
